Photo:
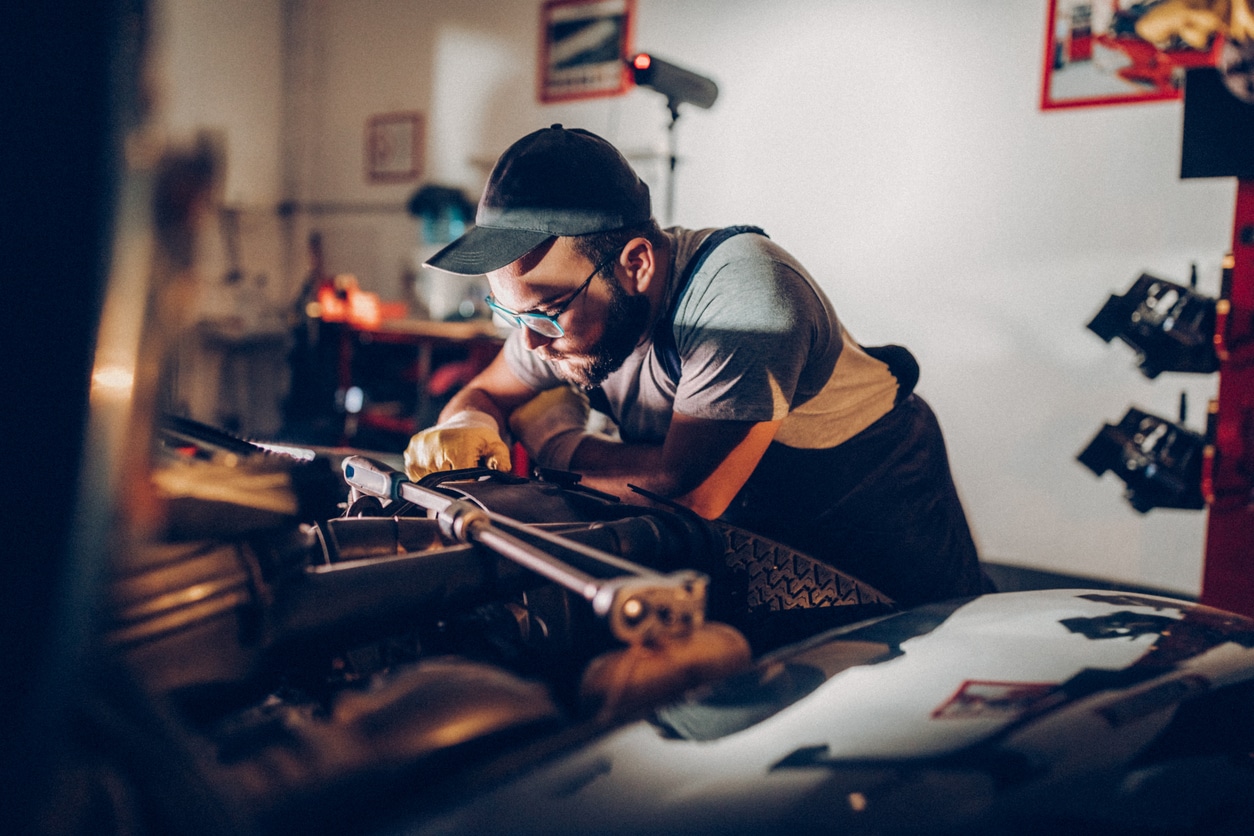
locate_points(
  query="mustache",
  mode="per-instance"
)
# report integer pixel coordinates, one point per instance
(626, 324)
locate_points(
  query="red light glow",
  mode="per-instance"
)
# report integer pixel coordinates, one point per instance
(642, 61)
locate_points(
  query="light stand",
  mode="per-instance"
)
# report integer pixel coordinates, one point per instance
(680, 86)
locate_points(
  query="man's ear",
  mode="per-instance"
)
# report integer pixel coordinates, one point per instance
(640, 263)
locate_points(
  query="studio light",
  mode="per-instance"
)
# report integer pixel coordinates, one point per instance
(680, 86)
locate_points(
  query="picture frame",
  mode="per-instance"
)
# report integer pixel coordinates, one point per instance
(1094, 55)
(584, 46)
(394, 147)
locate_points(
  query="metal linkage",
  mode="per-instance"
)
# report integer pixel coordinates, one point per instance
(638, 604)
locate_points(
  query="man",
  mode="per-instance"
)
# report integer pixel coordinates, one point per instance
(735, 389)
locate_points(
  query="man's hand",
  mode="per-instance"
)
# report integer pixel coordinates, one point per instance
(469, 439)
(551, 425)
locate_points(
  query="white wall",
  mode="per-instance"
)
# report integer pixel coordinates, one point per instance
(897, 149)
(221, 70)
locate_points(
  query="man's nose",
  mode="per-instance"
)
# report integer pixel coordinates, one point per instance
(534, 339)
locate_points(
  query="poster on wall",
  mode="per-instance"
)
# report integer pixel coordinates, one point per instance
(394, 147)
(1100, 52)
(583, 47)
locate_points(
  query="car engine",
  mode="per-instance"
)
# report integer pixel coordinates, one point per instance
(314, 648)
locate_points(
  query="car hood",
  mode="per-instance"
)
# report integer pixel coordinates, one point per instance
(1006, 712)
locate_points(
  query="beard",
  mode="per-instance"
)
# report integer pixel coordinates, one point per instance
(626, 319)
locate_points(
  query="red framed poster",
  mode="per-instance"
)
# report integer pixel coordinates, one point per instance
(584, 45)
(1100, 52)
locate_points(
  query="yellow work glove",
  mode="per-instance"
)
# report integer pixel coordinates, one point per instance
(551, 425)
(469, 439)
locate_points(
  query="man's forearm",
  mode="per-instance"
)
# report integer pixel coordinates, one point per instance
(473, 398)
(610, 466)
(495, 391)
(702, 465)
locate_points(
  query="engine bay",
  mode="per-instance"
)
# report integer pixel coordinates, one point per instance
(313, 646)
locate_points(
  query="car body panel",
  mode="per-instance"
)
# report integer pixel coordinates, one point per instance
(1005, 711)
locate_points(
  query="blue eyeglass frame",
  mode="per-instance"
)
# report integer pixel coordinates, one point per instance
(546, 325)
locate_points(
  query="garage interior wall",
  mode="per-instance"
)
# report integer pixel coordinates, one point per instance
(897, 148)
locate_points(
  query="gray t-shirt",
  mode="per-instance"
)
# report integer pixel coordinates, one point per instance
(757, 339)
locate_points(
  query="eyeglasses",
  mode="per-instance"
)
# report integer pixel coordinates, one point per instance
(546, 325)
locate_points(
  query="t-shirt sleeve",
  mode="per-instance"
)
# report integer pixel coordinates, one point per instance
(745, 330)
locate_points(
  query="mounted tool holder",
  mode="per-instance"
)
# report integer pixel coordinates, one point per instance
(1159, 461)
(1170, 326)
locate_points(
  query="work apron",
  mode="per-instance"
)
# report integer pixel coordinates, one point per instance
(880, 506)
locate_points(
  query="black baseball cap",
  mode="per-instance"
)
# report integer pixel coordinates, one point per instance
(555, 181)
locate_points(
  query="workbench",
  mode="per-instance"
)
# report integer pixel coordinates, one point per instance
(405, 369)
